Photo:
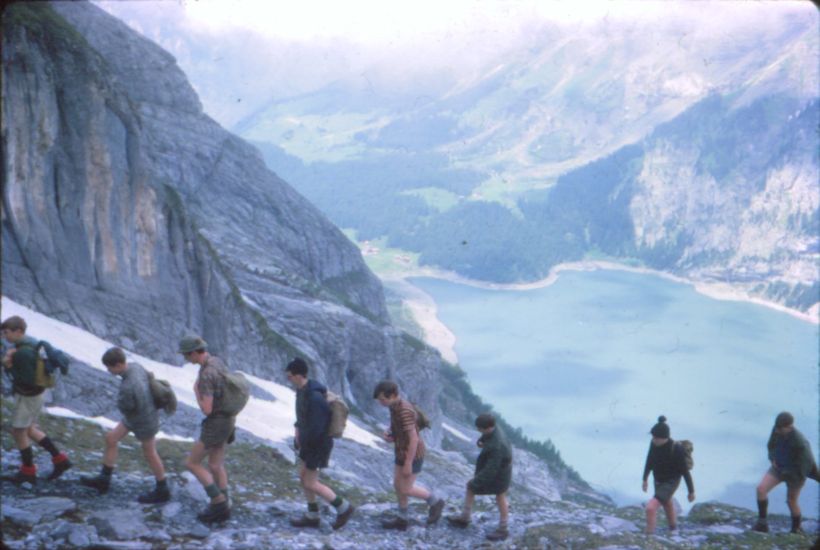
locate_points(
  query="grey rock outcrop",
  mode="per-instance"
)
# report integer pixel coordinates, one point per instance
(129, 212)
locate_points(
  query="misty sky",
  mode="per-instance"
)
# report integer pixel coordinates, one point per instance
(258, 50)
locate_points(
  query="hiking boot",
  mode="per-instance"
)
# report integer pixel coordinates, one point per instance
(458, 521)
(500, 533)
(21, 476)
(305, 521)
(215, 512)
(435, 512)
(762, 526)
(60, 467)
(98, 482)
(342, 517)
(157, 496)
(397, 523)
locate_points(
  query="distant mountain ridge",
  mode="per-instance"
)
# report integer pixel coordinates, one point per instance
(478, 181)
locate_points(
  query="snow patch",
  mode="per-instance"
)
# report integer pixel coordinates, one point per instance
(270, 420)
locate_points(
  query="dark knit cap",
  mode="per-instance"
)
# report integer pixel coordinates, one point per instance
(783, 420)
(661, 429)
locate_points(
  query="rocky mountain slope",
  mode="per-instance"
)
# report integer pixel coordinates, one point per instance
(128, 211)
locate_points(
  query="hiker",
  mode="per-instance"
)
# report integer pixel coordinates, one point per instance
(141, 417)
(217, 429)
(314, 445)
(667, 462)
(792, 462)
(409, 455)
(21, 360)
(493, 473)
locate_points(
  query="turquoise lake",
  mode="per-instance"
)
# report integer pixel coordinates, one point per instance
(591, 361)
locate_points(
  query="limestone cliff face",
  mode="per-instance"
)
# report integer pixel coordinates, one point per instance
(129, 212)
(737, 203)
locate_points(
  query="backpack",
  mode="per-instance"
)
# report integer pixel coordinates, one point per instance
(338, 415)
(43, 377)
(422, 421)
(163, 394)
(48, 360)
(686, 447)
(236, 393)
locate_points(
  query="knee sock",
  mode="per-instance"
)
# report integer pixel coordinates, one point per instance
(49, 446)
(796, 522)
(313, 510)
(212, 491)
(27, 456)
(340, 504)
(762, 508)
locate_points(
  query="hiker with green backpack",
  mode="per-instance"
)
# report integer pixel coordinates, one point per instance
(220, 399)
(668, 460)
(409, 455)
(314, 443)
(140, 415)
(24, 362)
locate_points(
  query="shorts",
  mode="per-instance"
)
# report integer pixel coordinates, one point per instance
(791, 482)
(665, 489)
(316, 457)
(217, 430)
(417, 464)
(142, 433)
(26, 410)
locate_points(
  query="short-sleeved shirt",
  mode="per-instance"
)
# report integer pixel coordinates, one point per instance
(211, 380)
(402, 424)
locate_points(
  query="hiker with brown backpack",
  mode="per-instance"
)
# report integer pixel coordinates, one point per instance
(25, 364)
(140, 415)
(220, 395)
(409, 455)
(668, 460)
(314, 444)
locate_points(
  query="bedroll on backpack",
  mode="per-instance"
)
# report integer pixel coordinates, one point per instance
(338, 415)
(48, 360)
(422, 422)
(236, 394)
(42, 376)
(687, 448)
(162, 393)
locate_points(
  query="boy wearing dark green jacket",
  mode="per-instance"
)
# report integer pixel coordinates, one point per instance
(493, 473)
(792, 461)
(21, 360)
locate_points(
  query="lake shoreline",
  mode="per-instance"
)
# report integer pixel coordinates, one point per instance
(440, 337)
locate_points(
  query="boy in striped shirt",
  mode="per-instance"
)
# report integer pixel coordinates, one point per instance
(409, 449)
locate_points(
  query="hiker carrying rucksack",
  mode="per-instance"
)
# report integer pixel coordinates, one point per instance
(668, 463)
(409, 455)
(314, 443)
(140, 416)
(22, 361)
(217, 429)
